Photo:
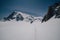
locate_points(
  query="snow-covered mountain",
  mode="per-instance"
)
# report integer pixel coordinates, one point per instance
(21, 16)
(17, 26)
(53, 10)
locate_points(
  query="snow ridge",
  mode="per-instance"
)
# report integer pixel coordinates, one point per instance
(21, 16)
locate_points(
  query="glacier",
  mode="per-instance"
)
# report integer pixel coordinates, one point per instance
(22, 30)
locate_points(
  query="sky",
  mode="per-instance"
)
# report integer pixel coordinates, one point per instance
(34, 7)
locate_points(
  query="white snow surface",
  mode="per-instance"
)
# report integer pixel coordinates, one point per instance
(22, 30)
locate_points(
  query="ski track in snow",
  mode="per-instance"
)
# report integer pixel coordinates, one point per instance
(21, 30)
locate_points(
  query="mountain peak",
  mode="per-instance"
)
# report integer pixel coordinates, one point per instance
(54, 10)
(21, 16)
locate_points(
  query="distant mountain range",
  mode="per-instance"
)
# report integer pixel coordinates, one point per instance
(53, 10)
(21, 16)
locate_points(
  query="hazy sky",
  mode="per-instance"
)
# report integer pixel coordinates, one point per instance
(34, 7)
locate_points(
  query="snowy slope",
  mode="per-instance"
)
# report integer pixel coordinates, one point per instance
(49, 30)
(21, 30)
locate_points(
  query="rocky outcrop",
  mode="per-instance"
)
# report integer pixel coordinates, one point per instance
(52, 10)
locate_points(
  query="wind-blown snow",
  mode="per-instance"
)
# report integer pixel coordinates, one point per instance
(21, 30)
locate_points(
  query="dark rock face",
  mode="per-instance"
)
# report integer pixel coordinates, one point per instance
(11, 17)
(58, 13)
(19, 17)
(53, 10)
